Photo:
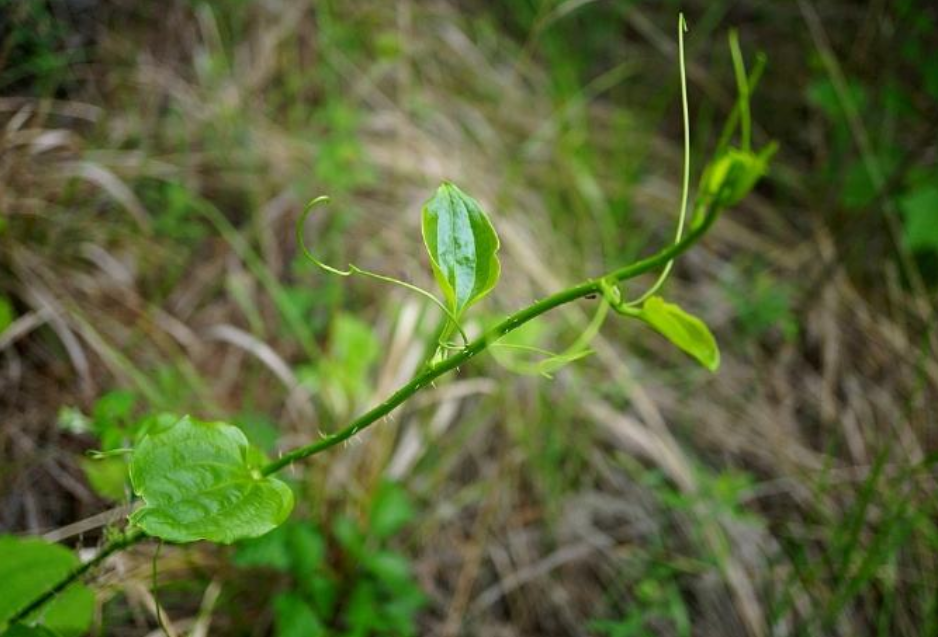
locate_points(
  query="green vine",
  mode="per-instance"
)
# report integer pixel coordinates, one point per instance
(203, 481)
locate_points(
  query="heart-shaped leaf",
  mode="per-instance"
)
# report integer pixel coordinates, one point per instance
(202, 481)
(30, 567)
(684, 330)
(462, 245)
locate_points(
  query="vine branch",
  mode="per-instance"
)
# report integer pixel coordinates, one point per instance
(127, 540)
(509, 324)
(587, 288)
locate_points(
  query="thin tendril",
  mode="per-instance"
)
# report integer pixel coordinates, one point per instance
(354, 269)
(685, 186)
(575, 351)
(733, 119)
(742, 83)
(528, 348)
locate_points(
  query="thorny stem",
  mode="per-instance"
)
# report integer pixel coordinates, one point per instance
(586, 288)
(663, 258)
(513, 322)
(119, 544)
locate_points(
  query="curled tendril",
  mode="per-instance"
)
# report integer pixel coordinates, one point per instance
(354, 269)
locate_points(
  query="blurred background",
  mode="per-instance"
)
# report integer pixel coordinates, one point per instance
(155, 156)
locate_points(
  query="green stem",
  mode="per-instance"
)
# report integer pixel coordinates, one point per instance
(513, 322)
(119, 544)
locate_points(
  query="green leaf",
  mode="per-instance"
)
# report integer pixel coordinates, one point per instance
(112, 419)
(393, 569)
(363, 610)
(155, 422)
(462, 245)
(685, 331)
(6, 313)
(28, 568)
(732, 175)
(295, 618)
(113, 409)
(293, 546)
(390, 512)
(919, 208)
(20, 630)
(348, 535)
(267, 551)
(342, 376)
(307, 548)
(202, 481)
(107, 476)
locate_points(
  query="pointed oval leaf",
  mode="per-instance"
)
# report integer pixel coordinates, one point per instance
(684, 330)
(731, 176)
(462, 244)
(28, 568)
(201, 481)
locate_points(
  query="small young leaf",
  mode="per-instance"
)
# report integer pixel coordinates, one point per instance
(462, 245)
(29, 567)
(113, 409)
(732, 175)
(685, 331)
(107, 476)
(200, 481)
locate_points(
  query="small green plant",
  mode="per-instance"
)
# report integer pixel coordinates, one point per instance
(113, 424)
(763, 303)
(348, 581)
(35, 47)
(199, 480)
(658, 602)
(341, 376)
